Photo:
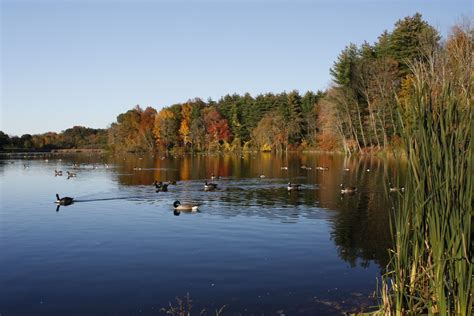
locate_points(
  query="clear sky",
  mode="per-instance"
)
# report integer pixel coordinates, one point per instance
(71, 62)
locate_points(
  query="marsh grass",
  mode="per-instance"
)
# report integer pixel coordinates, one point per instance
(431, 268)
(184, 307)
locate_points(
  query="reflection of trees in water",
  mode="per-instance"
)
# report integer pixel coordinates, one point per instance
(361, 228)
(361, 231)
(360, 223)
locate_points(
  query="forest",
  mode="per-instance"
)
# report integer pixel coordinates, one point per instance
(356, 114)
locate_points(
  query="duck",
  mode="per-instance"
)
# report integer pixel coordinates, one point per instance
(71, 174)
(209, 186)
(188, 207)
(284, 168)
(396, 189)
(64, 201)
(214, 177)
(293, 187)
(57, 173)
(163, 188)
(262, 176)
(160, 186)
(346, 169)
(173, 182)
(322, 168)
(348, 190)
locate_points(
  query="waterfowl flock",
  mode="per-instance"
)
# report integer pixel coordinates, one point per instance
(215, 182)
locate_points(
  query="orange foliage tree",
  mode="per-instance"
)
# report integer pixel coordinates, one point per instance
(217, 127)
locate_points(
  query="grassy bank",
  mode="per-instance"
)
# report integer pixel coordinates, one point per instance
(431, 269)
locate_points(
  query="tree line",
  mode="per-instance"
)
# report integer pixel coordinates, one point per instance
(267, 122)
(75, 137)
(357, 113)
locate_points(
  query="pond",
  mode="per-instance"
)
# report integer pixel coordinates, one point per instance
(253, 247)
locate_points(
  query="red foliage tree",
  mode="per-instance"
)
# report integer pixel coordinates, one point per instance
(217, 127)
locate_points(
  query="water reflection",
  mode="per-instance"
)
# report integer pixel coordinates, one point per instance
(358, 223)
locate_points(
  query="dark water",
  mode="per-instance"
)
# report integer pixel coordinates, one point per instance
(253, 247)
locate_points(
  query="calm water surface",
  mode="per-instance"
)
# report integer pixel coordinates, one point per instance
(253, 247)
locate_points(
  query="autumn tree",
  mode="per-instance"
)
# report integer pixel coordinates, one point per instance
(271, 133)
(166, 129)
(185, 126)
(217, 128)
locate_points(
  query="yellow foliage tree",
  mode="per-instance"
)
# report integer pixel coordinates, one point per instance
(184, 128)
(165, 128)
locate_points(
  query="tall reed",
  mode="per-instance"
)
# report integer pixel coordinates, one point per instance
(431, 267)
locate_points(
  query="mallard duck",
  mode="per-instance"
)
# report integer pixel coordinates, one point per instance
(293, 187)
(64, 201)
(209, 186)
(347, 190)
(188, 207)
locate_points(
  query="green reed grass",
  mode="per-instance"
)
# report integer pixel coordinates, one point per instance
(431, 268)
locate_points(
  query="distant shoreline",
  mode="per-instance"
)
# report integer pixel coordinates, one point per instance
(53, 151)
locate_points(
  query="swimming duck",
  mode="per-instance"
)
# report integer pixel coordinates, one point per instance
(214, 177)
(293, 187)
(396, 189)
(64, 201)
(262, 176)
(58, 173)
(284, 168)
(71, 174)
(348, 190)
(163, 188)
(188, 207)
(209, 186)
(322, 168)
(346, 169)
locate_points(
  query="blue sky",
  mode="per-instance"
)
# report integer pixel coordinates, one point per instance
(71, 62)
